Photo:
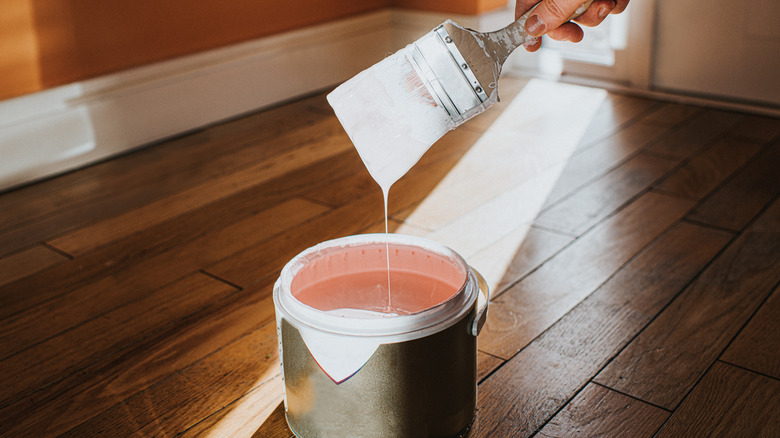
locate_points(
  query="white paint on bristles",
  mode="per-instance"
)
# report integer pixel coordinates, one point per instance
(391, 116)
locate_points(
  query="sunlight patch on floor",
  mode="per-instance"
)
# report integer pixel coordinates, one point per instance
(251, 411)
(484, 206)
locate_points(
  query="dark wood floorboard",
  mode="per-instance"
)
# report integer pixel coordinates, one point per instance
(598, 411)
(757, 346)
(728, 401)
(663, 363)
(520, 396)
(741, 197)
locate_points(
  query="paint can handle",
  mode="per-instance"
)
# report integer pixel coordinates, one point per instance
(483, 301)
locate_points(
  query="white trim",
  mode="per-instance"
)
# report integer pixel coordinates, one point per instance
(640, 48)
(675, 97)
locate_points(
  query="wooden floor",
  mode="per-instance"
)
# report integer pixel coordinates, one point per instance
(633, 247)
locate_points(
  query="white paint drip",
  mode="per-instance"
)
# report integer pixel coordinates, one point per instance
(390, 116)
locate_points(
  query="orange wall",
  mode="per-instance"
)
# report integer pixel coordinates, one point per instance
(18, 47)
(471, 7)
(45, 43)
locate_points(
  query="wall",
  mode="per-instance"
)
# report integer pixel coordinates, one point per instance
(46, 43)
(19, 72)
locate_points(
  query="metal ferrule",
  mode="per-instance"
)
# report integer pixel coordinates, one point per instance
(446, 73)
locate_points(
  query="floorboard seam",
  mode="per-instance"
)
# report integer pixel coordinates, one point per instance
(633, 397)
(772, 291)
(220, 279)
(747, 369)
(709, 226)
(58, 251)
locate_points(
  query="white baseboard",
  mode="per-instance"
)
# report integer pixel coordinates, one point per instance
(678, 97)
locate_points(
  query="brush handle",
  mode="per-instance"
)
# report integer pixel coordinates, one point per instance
(515, 35)
(485, 53)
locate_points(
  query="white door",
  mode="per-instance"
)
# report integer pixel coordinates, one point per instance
(719, 48)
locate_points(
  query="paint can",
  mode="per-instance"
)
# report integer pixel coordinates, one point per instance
(357, 362)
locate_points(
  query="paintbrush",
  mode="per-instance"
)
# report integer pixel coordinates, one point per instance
(395, 110)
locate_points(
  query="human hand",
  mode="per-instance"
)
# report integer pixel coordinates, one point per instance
(551, 18)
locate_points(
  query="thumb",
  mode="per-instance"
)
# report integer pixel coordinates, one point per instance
(549, 15)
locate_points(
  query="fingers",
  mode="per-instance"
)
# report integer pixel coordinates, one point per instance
(621, 6)
(549, 15)
(597, 12)
(533, 44)
(522, 6)
(567, 32)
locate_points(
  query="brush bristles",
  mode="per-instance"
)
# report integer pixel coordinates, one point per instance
(390, 116)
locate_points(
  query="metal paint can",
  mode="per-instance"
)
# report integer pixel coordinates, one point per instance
(407, 372)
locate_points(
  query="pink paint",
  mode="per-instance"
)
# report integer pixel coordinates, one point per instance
(352, 281)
